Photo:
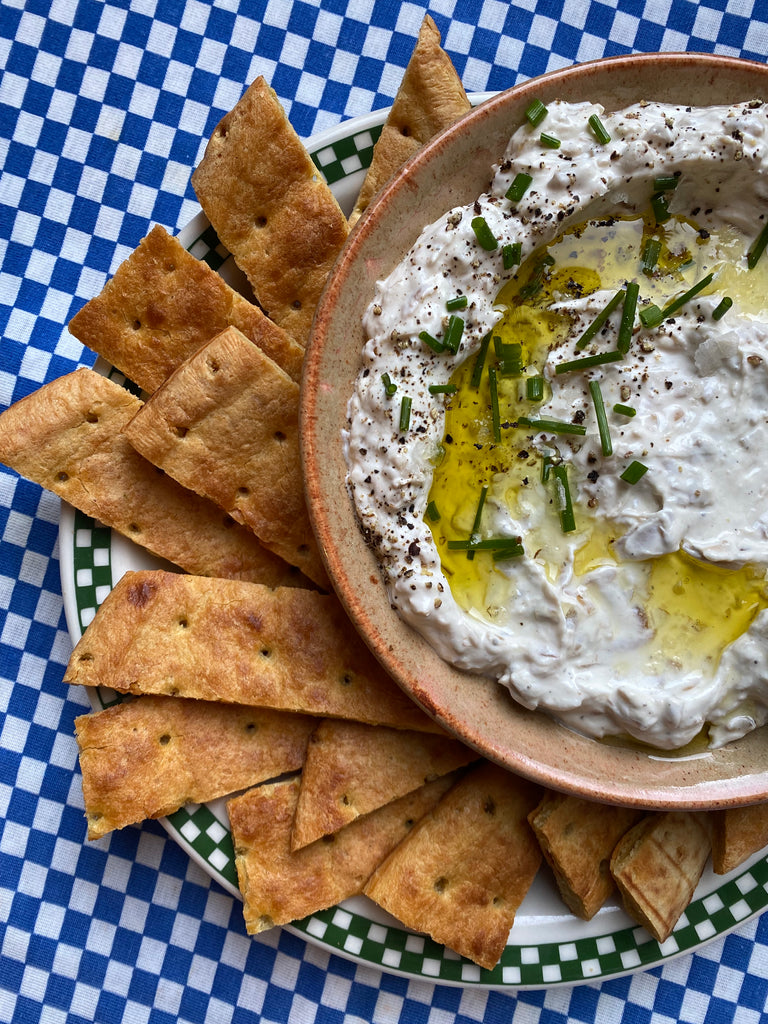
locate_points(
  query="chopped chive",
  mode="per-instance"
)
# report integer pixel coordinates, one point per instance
(518, 188)
(666, 184)
(563, 498)
(549, 141)
(651, 254)
(433, 513)
(627, 317)
(432, 342)
(511, 254)
(513, 551)
(660, 209)
(757, 248)
(651, 316)
(510, 357)
(598, 128)
(654, 316)
(602, 419)
(405, 413)
(600, 320)
(546, 467)
(457, 302)
(534, 388)
(495, 417)
(453, 333)
(478, 517)
(634, 471)
(552, 426)
(507, 547)
(586, 361)
(536, 112)
(722, 307)
(483, 234)
(442, 389)
(624, 410)
(477, 369)
(389, 386)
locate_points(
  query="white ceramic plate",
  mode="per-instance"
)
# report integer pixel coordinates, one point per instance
(547, 946)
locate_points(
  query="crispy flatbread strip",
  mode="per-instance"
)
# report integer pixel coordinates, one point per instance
(226, 424)
(270, 207)
(430, 98)
(657, 866)
(67, 437)
(162, 304)
(351, 769)
(577, 838)
(279, 886)
(191, 636)
(147, 757)
(464, 870)
(737, 833)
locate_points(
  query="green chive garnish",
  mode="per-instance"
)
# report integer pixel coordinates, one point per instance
(510, 357)
(654, 316)
(634, 471)
(432, 342)
(389, 387)
(627, 317)
(624, 410)
(453, 333)
(660, 209)
(552, 426)
(501, 554)
(598, 128)
(536, 112)
(602, 419)
(477, 369)
(584, 363)
(600, 320)
(651, 254)
(563, 499)
(651, 316)
(757, 248)
(511, 254)
(495, 417)
(519, 186)
(483, 234)
(442, 389)
(722, 307)
(549, 141)
(433, 513)
(534, 389)
(478, 517)
(457, 302)
(405, 413)
(501, 547)
(665, 184)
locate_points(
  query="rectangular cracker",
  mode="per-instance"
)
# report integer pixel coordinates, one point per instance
(162, 304)
(293, 649)
(271, 208)
(430, 99)
(147, 757)
(657, 866)
(463, 871)
(737, 833)
(352, 769)
(577, 838)
(279, 886)
(226, 424)
(67, 437)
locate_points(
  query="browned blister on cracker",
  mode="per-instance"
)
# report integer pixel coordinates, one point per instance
(271, 208)
(280, 886)
(737, 833)
(464, 870)
(147, 757)
(352, 769)
(162, 304)
(288, 648)
(67, 436)
(226, 425)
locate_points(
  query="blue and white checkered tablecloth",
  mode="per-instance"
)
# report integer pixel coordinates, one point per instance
(105, 108)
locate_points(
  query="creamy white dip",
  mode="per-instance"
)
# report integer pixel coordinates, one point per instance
(580, 625)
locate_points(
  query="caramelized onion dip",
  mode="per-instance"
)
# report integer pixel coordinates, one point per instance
(558, 440)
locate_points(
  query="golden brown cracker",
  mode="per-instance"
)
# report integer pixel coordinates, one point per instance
(737, 833)
(162, 304)
(147, 757)
(271, 208)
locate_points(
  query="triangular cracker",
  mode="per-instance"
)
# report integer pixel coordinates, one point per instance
(67, 437)
(351, 769)
(226, 424)
(430, 99)
(271, 208)
(737, 833)
(279, 886)
(464, 870)
(162, 304)
(163, 632)
(147, 757)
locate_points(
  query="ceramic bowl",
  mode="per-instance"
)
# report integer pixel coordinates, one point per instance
(450, 171)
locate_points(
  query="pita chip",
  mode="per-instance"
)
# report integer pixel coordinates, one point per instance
(147, 757)
(67, 437)
(226, 424)
(463, 871)
(280, 886)
(352, 769)
(224, 640)
(737, 833)
(271, 208)
(430, 99)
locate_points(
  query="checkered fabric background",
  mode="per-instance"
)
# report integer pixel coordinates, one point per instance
(104, 112)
